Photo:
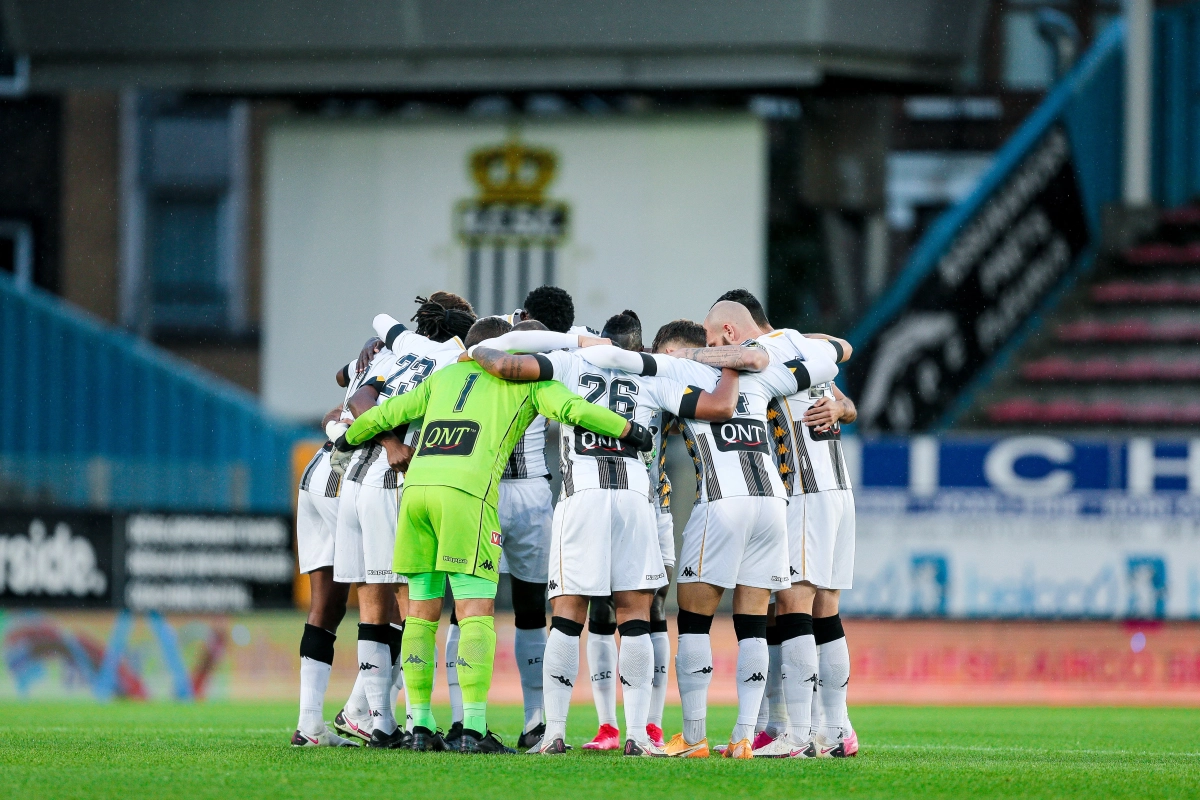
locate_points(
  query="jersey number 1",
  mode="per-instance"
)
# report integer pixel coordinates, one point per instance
(466, 390)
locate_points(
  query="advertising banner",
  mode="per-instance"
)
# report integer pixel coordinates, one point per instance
(56, 559)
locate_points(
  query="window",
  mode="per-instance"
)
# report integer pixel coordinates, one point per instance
(184, 270)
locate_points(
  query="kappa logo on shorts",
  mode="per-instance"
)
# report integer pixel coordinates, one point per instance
(793, 569)
(779, 579)
(552, 585)
(656, 577)
(497, 539)
(688, 572)
(444, 438)
(454, 560)
(487, 565)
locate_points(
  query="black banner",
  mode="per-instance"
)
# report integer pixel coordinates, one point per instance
(162, 562)
(1016, 250)
(56, 559)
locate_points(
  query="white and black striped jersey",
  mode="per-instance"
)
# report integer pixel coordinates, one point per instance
(394, 371)
(660, 483)
(807, 462)
(528, 459)
(733, 458)
(589, 460)
(318, 478)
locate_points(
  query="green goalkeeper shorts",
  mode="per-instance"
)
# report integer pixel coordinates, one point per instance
(432, 585)
(443, 529)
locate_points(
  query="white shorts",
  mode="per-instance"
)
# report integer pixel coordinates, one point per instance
(666, 536)
(316, 525)
(821, 538)
(526, 506)
(736, 541)
(366, 535)
(604, 541)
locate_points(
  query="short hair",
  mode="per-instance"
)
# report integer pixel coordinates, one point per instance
(551, 306)
(683, 331)
(442, 323)
(625, 330)
(452, 301)
(530, 325)
(487, 328)
(745, 298)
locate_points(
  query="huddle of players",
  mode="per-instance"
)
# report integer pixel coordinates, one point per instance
(759, 415)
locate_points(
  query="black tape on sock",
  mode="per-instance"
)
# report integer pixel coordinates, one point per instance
(529, 605)
(750, 626)
(453, 617)
(828, 629)
(568, 626)
(792, 625)
(658, 626)
(375, 633)
(773, 635)
(634, 627)
(317, 644)
(693, 623)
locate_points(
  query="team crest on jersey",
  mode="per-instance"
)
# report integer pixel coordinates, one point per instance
(588, 443)
(497, 539)
(740, 434)
(449, 438)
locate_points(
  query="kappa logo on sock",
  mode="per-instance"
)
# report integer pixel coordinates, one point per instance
(755, 678)
(564, 681)
(376, 713)
(366, 665)
(413, 658)
(813, 680)
(625, 682)
(688, 572)
(461, 663)
(847, 683)
(702, 671)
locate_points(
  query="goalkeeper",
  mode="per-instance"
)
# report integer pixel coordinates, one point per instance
(449, 526)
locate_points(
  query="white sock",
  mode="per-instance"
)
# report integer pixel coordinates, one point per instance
(777, 717)
(662, 662)
(834, 676)
(636, 668)
(397, 667)
(814, 723)
(752, 664)
(529, 647)
(799, 678)
(375, 666)
(693, 674)
(560, 665)
(602, 664)
(456, 701)
(314, 680)
(764, 709)
(356, 704)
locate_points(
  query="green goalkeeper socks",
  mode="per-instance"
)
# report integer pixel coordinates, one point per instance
(418, 652)
(476, 655)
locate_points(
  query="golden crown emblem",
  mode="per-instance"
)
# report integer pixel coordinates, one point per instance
(513, 172)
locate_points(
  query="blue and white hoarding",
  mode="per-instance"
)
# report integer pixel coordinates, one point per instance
(1026, 526)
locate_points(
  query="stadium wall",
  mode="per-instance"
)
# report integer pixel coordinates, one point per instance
(658, 213)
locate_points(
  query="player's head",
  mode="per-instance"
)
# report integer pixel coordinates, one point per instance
(487, 328)
(441, 323)
(530, 325)
(552, 306)
(752, 305)
(677, 334)
(729, 323)
(452, 301)
(625, 330)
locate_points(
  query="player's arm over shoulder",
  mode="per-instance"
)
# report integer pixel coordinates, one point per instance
(512, 367)
(557, 402)
(392, 413)
(843, 348)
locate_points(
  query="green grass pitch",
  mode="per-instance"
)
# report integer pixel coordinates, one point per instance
(241, 751)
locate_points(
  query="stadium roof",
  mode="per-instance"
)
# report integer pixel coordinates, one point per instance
(486, 45)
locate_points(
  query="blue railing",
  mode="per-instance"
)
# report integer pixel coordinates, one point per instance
(92, 416)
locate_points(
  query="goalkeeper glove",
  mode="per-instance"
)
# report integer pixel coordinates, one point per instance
(640, 437)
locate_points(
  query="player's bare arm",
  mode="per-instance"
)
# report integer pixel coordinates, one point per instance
(372, 346)
(720, 404)
(332, 415)
(743, 359)
(506, 365)
(845, 350)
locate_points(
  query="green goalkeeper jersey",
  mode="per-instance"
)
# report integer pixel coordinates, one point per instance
(472, 423)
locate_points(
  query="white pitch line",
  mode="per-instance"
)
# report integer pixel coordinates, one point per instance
(1046, 750)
